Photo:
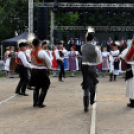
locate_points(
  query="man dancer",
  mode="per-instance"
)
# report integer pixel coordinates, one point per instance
(41, 63)
(91, 56)
(60, 60)
(45, 47)
(22, 65)
(28, 53)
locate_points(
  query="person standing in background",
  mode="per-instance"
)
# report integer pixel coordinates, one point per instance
(60, 60)
(70, 44)
(54, 62)
(73, 63)
(109, 44)
(10, 64)
(105, 56)
(79, 43)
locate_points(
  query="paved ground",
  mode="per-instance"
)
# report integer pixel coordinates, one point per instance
(64, 112)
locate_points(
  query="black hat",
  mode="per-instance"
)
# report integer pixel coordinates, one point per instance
(22, 43)
(60, 43)
(36, 42)
(90, 36)
(115, 45)
(44, 42)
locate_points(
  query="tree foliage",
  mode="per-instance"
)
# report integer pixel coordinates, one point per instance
(17, 19)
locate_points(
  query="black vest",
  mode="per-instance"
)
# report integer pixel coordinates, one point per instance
(88, 53)
(129, 72)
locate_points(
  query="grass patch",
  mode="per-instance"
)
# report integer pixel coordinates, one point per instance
(2, 74)
(67, 73)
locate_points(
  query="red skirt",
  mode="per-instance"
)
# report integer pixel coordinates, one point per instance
(99, 67)
(54, 64)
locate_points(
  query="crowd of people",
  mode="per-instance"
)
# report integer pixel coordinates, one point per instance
(34, 61)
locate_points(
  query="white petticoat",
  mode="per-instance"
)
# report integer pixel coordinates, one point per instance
(7, 64)
(130, 86)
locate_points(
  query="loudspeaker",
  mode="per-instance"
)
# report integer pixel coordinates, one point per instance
(55, 34)
(42, 23)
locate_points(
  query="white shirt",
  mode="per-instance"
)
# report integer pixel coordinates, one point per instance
(79, 42)
(43, 55)
(28, 53)
(109, 42)
(8, 53)
(70, 42)
(98, 58)
(105, 54)
(58, 55)
(23, 58)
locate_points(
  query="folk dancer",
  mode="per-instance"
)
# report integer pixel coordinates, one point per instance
(91, 56)
(29, 48)
(73, 61)
(45, 45)
(123, 64)
(99, 66)
(114, 63)
(60, 60)
(66, 59)
(79, 43)
(22, 65)
(128, 56)
(10, 64)
(105, 66)
(54, 62)
(41, 62)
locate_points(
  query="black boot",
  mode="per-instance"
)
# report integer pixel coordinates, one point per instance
(111, 77)
(131, 104)
(42, 98)
(86, 103)
(92, 96)
(114, 77)
(23, 89)
(35, 97)
(17, 91)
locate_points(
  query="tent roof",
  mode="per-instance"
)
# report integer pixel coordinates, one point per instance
(13, 41)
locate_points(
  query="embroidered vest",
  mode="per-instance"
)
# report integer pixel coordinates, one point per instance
(130, 54)
(35, 60)
(88, 53)
(18, 60)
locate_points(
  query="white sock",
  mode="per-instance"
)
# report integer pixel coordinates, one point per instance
(55, 73)
(72, 73)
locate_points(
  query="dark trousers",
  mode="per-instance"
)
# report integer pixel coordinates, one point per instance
(62, 72)
(41, 81)
(78, 48)
(91, 90)
(23, 79)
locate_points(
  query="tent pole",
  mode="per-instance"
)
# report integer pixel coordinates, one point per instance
(52, 28)
(1, 52)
